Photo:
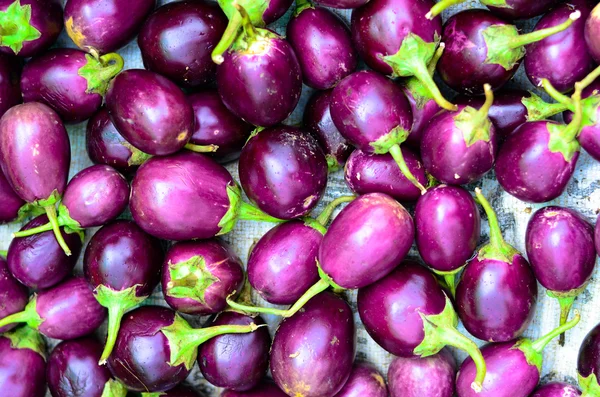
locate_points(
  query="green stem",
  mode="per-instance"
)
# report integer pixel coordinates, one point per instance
(36, 230)
(528, 38)
(590, 78)
(436, 57)
(452, 337)
(440, 7)
(115, 314)
(249, 29)
(396, 153)
(28, 316)
(496, 239)
(570, 132)
(565, 308)
(301, 5)
(421, 72)
(481, 117)
(51, 213)
(201, 148)
(231, 33)
(251, 213)
(550, 110)
(324, 216)
(557, 96)
(541, 343)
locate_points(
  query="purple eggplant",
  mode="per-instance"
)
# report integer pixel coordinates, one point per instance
(313, 350)
(514, 367)
(122, 264)
(198, 276)
(66, 311)
(177, 40)
(588, 363)
(70, 81)
(105, 26)
(592, 33)
(156, 348)
(188, 196)
(556, 389)
(35, 155)
(482, 48)
(365, 380)
(317, 119)
(22, 363)
(10, 77)
(265, 389)
(14, 294)
(417, 377)
(37, 261)
(323, 45)
(236, 362)
(560, 247)
(13, 206)
(283, 171)
(29, 27)
(73, 371)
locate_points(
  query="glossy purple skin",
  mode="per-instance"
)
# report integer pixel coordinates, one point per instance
(313, 351)
(417, 377)
(265, 389)
(73, 369)
(216, 125)
(422, 114)
(528, 170)
(283, 263)
(236, 362)
(96, 195)
(46, 18)
(546, 58)
(322, 43)
(53, 79)
(379, 173)
(366, 106)
(38, 261)
(448, 227)
(69, 310)
(141, 356)
(105, 25)
(378, 29)
(341, 3)
(283, 171)
(11, 202)
(177, 40)
(365, 380)
(592, 33)
(275, 10)
(556, 389)
(14, 381)
(10, 87)
(180, 197)
(150, 111)
(522, 9)
(120, 255)
(588, 360)
(34, 175)
(366, 241)
(220, 260)
(14, 295)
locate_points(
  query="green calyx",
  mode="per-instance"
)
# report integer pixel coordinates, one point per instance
(302, 5)
(563, 138)
(475, 124)
(538, 109)
(98, 72)
(252, 40)
(28, 210)
(137, 156)
(332, 163)
(114, 388)
(418, 90)
(63, 219)
(190, 279)
(395, 137)
(254, 8)
(589, 385)
(449, 279)
(16, 28)
(28, 316)
(27, 338)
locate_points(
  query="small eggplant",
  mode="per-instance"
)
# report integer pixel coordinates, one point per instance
(507, 9)
(592, 33)
(418, 377)
(365, 380)
(22, 363)
(14, 295)
(588, 363)
(10, 77)
(265, 389)
(556, 389)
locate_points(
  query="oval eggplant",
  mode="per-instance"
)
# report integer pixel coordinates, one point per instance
(10, 77)
(417, 377)
(22, 348)
(14, 295)
(364, 380)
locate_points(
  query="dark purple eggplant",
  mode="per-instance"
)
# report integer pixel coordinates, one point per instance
(22, 363)
(425, 322)
(177, 40)
(283, 171)
(592, 33)
(588, 363)
(514, 367)
(556, 389)
(105, 26)
(13, 207)
(29, 27)
(507, 9)
(122, 264)
(265, 389)
(70, 81)
(313, 350)
(10, 77)
(365, 380)
(418, 377)
(497, 292)
(14, 294)
(73, 371)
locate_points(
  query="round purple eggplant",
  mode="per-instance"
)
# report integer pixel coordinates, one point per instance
(507, 9)
(313, 350)
(198, 276)
(323, 45)
(14, 294)
(235, 362)
(365, 380)
(22, 363)
(513, 367)
(428, 376)
(592, 33)
(177, 40)
(560, 247)
(150, 111)
(122, 264)
(283, 171)
(29, 27)
(66, 311)
(156, 348)
(188, 196)
(73, 371)
(10, 77)
(13, 206)
(265, 389)
(217, 126)
(588, 363)
(556, 389)
(37, 260)
(105, 26)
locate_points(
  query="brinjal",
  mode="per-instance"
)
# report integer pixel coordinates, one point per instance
(265, 389)
(365, 380)
(588, 363)
(556, 389)
(507, 9)
(14, 294)
(22, 363)
(10, 77)
(592, 33)
(428, 376)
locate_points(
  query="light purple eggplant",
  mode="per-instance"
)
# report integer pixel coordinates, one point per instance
(283, 171)
(592, 33)
(313, 351)
(365, 380)
(265, 389)
(177, 40)
(13, 206)
(14, 295)
(506, 9)
(122, 265)
(201, 199)
(70, 81)
(556, 389)
(197, 276)
(29, 27)
(21, 349)
(428, 376)
(105, 26)
(323, 45)
(514, 367)
(588, 363)
(10, 77)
